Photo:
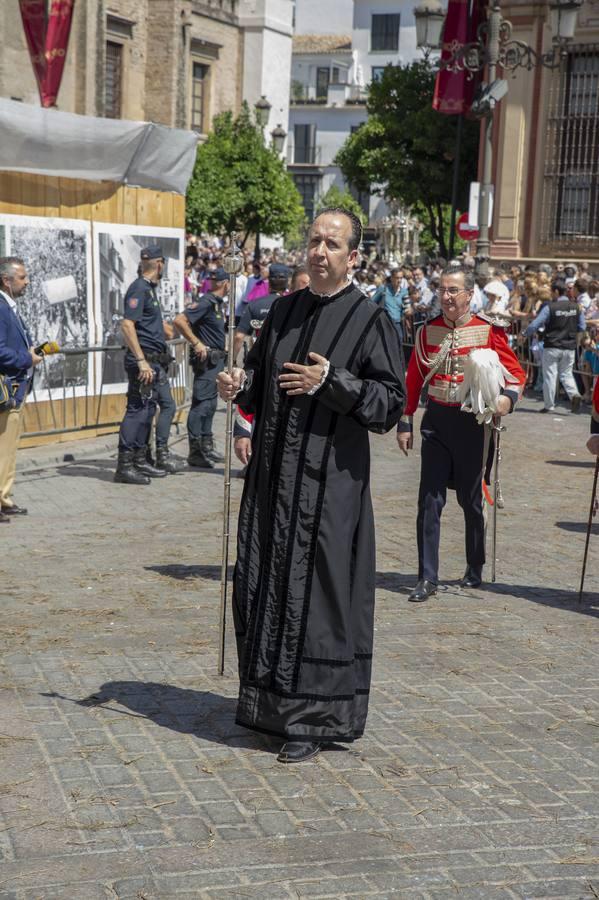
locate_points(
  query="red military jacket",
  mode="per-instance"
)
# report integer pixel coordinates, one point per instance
(595, 410)
(446, 345)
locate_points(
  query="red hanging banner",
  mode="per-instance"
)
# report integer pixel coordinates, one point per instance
(47, 30)
(454, 90)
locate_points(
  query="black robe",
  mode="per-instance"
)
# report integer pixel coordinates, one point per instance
(303, 597)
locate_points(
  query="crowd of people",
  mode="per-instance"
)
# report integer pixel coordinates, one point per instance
(513, 296)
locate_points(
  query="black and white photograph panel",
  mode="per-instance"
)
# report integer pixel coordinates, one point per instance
(118, 249)
(57, 305)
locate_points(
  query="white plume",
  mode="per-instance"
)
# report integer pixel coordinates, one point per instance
(484, 377)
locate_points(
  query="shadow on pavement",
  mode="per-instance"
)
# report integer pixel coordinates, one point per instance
(102, 469)
(201, 713)
(572, 463)
(558, 599)
(580, 527)
(185, 572)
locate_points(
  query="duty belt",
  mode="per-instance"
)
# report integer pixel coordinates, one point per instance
(163, 359)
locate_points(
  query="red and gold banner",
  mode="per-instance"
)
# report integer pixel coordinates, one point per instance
(47, 27)
(454, 90)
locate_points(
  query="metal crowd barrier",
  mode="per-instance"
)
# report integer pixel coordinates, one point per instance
(75, 406)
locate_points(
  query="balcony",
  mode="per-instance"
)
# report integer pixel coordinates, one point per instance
(338, 94)
(304, 155)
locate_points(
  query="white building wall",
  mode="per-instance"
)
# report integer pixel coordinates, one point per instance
(361, 32)
(323, 16)
(267, 26)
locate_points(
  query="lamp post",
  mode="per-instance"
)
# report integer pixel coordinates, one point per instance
(262, 109)
(278, 136)
(495, 48)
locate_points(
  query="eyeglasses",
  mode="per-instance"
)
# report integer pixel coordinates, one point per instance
(452, 291)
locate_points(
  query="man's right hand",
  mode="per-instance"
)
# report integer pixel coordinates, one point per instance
(243, 449)
(405, 441)
(229, 383)
(201, 351)
(593, 444)
(35, 359)
(146, 372)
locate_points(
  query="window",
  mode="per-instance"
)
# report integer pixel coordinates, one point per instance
(335, 75)
(322, 82)
(377, 72)
(308, 186)
(113, 88)
(304, 142)
(384, 32)
(199, 96)
(571, 183)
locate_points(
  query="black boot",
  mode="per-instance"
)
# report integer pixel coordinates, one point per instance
(423, 590)
(168, 461)
(210, 450)
(298, 751)
(197, 456)
(473, 577)
(127, 472)
(141, 463)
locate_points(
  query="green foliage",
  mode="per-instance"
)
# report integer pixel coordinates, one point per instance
(336, 197)
(405, 150)
(240, 185)
(428, 243)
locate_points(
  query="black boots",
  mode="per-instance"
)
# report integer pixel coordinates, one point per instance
(198, 455)
(423, 590)
(298, 751)
(210, 450)
(140, 461)
(168, 461)
(126, 470)
(473, 577)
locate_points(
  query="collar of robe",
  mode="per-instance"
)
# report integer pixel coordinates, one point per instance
(328, 298)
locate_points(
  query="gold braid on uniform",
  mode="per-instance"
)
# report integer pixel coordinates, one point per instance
(433, 363)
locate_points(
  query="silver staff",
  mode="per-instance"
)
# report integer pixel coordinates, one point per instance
(232, 264)
(497, 498)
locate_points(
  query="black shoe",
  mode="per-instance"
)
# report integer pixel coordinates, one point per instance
(5, 519)
(473, 577)
(168, 461)
(197, 457)
(423, 590)
(575, 403)
(210, 450)
(298, 751)
(14, 510)
(140, 461)
(127, 472)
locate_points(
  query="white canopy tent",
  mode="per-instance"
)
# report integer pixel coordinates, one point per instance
(140, 154)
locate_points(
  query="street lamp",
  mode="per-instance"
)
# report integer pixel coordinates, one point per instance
(495, 48)
(278, 136)
(263, 108)
(429, 18)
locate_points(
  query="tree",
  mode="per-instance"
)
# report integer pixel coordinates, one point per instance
(240, 185)
(336, 197)
(405, 150)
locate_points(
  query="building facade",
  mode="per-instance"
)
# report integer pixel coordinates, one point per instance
(176, 62)
(546, 146)
(330, 75)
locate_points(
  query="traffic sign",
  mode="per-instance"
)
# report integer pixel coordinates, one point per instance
(466, 231)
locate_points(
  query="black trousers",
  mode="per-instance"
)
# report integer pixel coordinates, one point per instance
(141, 407)
(452, 457)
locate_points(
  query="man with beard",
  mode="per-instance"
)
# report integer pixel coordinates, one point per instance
(324, 372)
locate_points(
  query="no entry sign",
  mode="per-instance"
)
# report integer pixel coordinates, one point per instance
(465, 231)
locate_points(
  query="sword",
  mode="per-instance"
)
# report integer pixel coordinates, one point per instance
(497, 498)
(589, 526)
(232, 264)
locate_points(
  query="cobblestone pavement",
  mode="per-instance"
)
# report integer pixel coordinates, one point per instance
(123, 774)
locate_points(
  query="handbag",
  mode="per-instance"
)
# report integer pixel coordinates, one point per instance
(7, 391)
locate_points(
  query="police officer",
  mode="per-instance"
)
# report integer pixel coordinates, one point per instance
(203, 325)
(257, 310)
(146, 364)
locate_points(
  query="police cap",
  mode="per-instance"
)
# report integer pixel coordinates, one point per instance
(219, 275)
(278, 270)
(153, 251)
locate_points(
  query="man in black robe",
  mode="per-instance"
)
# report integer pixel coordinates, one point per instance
(324, 372)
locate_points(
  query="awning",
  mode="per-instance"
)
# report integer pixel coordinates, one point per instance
(49, 142)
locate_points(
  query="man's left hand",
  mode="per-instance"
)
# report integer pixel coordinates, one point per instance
(302, 379)
(504, 406)
(593, 444)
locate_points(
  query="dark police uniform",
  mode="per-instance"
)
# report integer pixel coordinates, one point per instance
(256, 312)
(143, 307)
(206, 319)
(453, 443)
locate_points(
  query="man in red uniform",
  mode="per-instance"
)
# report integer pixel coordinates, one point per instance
(593, 441)
(453, 443)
